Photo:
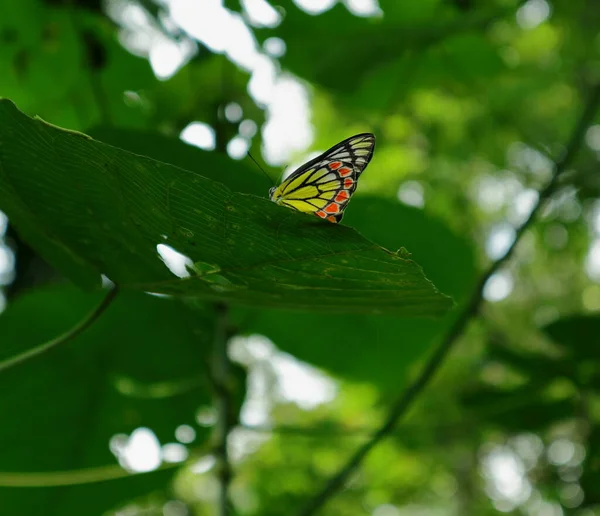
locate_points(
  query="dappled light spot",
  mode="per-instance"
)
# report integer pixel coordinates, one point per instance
(3, 223)
(206, 416)
(139, 452)
(593, 216)
(561, 451)
(174, 452)
(7, 264)
(592, 261)
(366, 8)
(132, 98)
(498, 287)
(527, 159)
(411, 193)
(106, 282)
(167, 56)
(492, 192)
(203, 465)
(296, 381)
(233, 112)
(247, 350)
(141, 36)
(287, 129)
(506, 481)
(178, 263)
(261, 13)
(529, 447)
(499, 240)
(522, 206)
(185, 434)
(315, 6)
(248, 128)
(571, 495)
(238, 147)
(532, 13)
(200, 135)
(386, 510)
(175, 508)
(275, 47)
(592, 137)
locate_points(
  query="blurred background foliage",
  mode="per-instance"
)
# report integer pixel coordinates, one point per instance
(471, 101)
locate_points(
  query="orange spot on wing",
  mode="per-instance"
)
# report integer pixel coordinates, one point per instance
(335, 165)
(342, 196)
(348, 182)
(345, 171)
(332, 208)
(331, 218)
(321, 214)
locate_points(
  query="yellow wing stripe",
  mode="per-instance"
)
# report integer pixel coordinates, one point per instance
(296, 182)
(332, 185)
(303, 193)
(300, 206)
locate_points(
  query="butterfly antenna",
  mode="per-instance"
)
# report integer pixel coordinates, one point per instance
(261, 169)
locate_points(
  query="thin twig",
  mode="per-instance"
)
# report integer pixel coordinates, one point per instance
(95, 475)
(470, 311)
(337, 432)
(65, 337)
(220, 375)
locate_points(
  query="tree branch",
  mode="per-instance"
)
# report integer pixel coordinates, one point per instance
(220, 375)
(470, 310)
(65, 337)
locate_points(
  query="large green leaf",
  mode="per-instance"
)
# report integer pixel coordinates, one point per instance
(378, 349)
(140, 364)
(90, 208)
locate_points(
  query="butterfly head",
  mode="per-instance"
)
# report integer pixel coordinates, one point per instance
(272, 193)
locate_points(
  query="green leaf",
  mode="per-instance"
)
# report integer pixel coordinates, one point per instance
(236, 175)
(520, 409)
(90, 208)
(341, 43)
(137, 366)
(378, 349)
(45, 55)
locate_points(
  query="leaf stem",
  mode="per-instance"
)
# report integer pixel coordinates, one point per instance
(65, 337)
(221, 375)
(470, 310)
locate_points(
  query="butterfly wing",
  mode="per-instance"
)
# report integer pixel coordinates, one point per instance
(324, 185)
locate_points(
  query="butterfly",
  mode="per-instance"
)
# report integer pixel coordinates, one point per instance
(324, 185)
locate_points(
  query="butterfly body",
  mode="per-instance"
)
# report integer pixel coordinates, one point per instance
(324, 185)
